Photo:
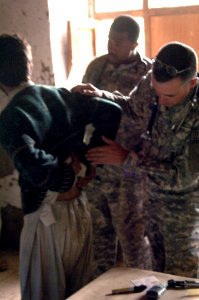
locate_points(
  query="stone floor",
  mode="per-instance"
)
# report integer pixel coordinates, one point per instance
(9, 280)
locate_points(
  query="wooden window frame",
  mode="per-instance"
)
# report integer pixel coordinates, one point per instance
(146, 13)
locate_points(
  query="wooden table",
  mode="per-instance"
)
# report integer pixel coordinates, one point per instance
(121, 277)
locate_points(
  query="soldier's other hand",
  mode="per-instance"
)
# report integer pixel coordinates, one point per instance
(87, 89)
(112, 153)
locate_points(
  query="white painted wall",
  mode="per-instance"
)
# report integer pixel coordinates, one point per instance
(61, 11)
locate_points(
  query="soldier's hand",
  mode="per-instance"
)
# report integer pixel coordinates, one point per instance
(87, 89)
(112, 153)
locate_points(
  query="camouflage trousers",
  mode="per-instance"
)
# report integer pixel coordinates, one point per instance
(116, 204)
(173, 230)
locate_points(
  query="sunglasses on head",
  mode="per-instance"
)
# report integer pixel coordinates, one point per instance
(171, 70)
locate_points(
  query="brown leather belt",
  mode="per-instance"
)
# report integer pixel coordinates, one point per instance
(71, 194)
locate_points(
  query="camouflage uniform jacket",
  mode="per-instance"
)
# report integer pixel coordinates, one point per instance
(169, 156)
(122, 78)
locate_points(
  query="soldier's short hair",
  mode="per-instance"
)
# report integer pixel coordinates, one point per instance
(175, 59)
(127, 24)
(15, 59)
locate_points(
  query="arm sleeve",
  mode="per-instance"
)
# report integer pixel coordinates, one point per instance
(134, 100)
(104, 116)
(106, 120)
(34, 164)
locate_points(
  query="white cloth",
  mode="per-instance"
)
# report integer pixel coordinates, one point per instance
(55, 250)
(9, 190)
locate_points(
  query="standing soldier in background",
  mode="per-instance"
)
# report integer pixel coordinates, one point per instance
(118, 71)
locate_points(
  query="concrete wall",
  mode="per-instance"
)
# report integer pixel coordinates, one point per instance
(30, 18)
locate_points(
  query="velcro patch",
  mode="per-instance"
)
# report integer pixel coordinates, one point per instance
(195, 136)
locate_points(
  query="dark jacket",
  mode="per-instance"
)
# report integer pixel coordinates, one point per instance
(40, 128)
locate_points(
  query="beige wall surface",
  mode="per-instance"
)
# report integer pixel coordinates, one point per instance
(30, 19)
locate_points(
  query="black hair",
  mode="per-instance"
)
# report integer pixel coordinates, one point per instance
(126, 24)
(177, 56)
(14, 60)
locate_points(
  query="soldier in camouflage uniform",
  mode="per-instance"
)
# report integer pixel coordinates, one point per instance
(120, 69)
(165, 108)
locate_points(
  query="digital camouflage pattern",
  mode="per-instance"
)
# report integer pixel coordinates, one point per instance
(169, 165)
(122, 78)
(115, 208)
